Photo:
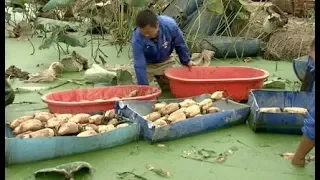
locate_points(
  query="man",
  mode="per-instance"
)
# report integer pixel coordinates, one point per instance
(153, 42)
(307, 84)
(307, 141)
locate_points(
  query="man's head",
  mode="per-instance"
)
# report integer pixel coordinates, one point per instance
(312, 51)
(148, 23)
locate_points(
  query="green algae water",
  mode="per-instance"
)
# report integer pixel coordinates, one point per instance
(257, 157)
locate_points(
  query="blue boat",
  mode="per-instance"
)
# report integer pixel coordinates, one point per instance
(284, 123)
(300, 66)
(19, 150)
(233, 113)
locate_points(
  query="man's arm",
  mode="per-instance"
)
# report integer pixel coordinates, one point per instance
(139, 62)
(181, 46)
(307, 141)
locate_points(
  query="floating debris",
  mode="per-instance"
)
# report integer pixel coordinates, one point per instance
(158, 171)
(223, 157)
(67, 170)
(288, 156)
(48, 75)
(127, 174)
(161, 145)
(14, 72)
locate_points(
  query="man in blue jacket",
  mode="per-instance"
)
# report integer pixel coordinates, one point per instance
(153, 42)
(308, 138)
(309, 78)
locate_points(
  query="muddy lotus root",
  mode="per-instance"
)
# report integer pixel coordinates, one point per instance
(270, 110)
(87, 127)
(29, 125)
(122, 125)
(96, 119)
(205, 104)
(87, 133)
(68, 128)
(193, 110)
(110, 114)
(46, 132)
(158, 106)
(217, 95)
(55, 122)
(159, 123)
(24, 135)
(43, 116)
(133, 93)
(64, 116)
(18, 121)
(297, 110)
(168, 109)
(113, 121)
(152, 116)
(213, 110)
(187, 103)
(80, 118)
(177, 116)
(105, 128)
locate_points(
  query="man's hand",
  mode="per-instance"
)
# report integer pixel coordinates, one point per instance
(190, 64)
(297, 161)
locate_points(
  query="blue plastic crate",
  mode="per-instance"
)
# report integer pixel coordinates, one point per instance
(285, 123)
(234, 113)
(19, 150)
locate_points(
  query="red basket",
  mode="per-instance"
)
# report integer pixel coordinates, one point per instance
(236, 81)
(68, 101)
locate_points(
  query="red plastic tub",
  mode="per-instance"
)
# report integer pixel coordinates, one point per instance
(236, 81)
(71, 101)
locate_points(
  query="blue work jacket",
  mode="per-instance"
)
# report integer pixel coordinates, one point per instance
(309, 123)
(146, 50)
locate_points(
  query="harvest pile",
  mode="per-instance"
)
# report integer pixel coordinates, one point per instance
(44, 124)
(297, 110)
(164, 114)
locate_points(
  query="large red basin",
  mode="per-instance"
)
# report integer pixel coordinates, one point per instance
(236, 81)
(69, 101)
